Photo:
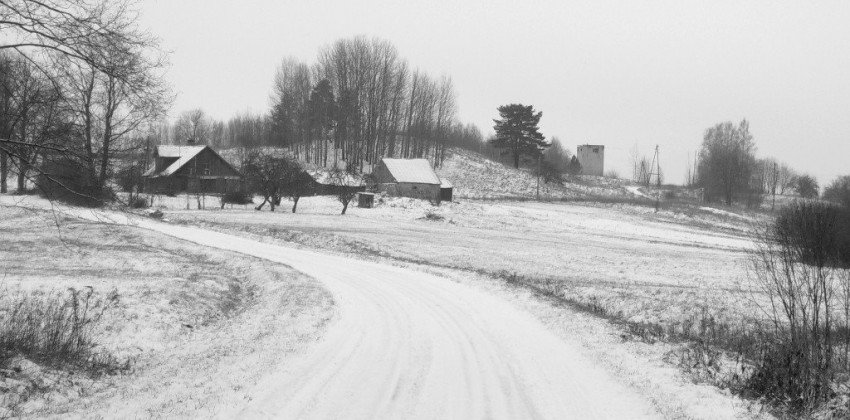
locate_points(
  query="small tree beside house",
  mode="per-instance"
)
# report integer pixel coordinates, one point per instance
(298, 183)
(346, 185)
(266, 174)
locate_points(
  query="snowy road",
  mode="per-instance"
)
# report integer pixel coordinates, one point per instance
(409, 345)
(412, 345)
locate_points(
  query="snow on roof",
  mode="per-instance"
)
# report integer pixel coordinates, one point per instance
(415, 171)
(183, 154)
(444, 183)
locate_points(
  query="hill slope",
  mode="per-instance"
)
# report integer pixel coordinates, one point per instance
(475, 176)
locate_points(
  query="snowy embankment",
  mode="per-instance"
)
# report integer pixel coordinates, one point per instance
(200, 326)
(477, 177)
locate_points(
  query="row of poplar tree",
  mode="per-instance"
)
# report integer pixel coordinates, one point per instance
(359, 102)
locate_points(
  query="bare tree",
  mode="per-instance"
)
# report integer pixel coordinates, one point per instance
(193, 127)
(111, 72)
(346, 183)
(726, 160)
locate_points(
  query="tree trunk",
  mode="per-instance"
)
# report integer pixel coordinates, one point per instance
(295, 203)
(4, 170)
(260, 207)
(345, 206)
(23, 168)
(516, 160)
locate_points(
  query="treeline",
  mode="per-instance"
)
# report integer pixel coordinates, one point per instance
(728, 170)
(360, 101)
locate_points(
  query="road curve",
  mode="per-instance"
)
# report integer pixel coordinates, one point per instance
(409, 345)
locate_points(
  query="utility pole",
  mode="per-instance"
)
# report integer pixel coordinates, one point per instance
(654, 169)
(773, 206)
(538, 177)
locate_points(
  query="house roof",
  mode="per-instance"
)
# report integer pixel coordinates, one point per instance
(184, 155)
(444, 183)
(414, 171)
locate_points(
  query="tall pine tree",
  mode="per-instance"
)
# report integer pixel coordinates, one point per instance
(517, 132)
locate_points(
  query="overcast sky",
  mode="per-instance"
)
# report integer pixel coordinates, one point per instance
(617, 73)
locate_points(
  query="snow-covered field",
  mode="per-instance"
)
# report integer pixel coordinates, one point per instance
(201, 326)
(648, 266)
(410, 344)
(638, 263)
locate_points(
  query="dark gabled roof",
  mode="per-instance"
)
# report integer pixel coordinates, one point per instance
(184, 155)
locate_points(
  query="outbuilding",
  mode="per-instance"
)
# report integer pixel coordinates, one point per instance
(446, 190)
(192, 169)
(592, 159)
(408, 178)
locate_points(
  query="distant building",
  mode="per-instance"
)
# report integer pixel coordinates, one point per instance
(193, 169)
(592, 159)
(409, 178)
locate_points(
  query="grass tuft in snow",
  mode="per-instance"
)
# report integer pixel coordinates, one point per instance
(57, 330)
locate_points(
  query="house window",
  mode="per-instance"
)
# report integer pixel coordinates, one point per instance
(595, 150)
(205, 168)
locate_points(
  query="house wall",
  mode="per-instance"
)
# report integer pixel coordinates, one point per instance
(404, 189)
(382, 174)
(176, 184)
(205, 173)
(592, 159)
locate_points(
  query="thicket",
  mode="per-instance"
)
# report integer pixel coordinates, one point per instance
(801, 266)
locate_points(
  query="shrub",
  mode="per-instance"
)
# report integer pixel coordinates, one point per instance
(433, 216)
(800, 264)
(814, 233)
(236, 197)
(129, 178)
(139, 202)
(612, 174)
(56, 330)
(838, 191)
(66, 179)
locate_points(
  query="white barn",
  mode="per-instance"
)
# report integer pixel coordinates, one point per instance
(413, 178)
(592, 159)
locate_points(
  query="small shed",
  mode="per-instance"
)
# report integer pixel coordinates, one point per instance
(365, 200)
(446, 190)
(408, 178)
(194, 169)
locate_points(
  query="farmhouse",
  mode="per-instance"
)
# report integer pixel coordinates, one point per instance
(592, 159)
(193, 169)
(409, 178)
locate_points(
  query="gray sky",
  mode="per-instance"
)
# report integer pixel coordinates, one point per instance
(617, 73)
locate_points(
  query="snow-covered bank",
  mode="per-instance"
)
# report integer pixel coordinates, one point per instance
(200, 326)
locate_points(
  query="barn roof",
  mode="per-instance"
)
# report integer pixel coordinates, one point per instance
(444, 183)
(184, 155)
(415, 171)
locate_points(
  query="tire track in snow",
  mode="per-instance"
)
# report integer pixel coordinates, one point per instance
(410, 345)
